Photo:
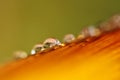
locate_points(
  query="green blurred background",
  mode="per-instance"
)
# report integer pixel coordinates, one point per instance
(24, 23)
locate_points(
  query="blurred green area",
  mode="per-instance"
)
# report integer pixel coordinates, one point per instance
(24, 23)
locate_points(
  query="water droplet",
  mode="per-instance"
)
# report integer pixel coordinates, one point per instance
(20, 54)
(93, 31)
(111, 24)
(115, 21)
(106, 26)
(90, 31)
(36, 48)
(85, 32)
(69, 38)
(51, 42)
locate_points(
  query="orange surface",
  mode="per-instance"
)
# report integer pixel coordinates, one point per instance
(92, 59)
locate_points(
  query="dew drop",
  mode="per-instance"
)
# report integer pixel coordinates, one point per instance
(111, 24)
(105, 26)
(115, 21)
(36, 48)
(85, 32)
(69, 38)
(51, 42)
(93, 31)
(20, 55)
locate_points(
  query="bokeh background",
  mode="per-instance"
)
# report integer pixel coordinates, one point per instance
(24, 23)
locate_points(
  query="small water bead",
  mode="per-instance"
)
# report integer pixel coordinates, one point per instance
(93, 31)
(85, 32)
(115, 21)
(105, 26)
(20, 54)
(37, 48)
(69, 38)
(51, 42)
(90, 31)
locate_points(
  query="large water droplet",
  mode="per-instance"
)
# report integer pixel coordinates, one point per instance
(51, 42)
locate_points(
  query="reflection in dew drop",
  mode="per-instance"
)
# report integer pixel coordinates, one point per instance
(81, 37)
(62, 44)
(20, 54)
(36, 48)
(69, 38)
(51, 42)
(33, 52)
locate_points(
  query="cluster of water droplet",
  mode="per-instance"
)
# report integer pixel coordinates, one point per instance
(47, 44)
(90, 31)
(52, 43)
